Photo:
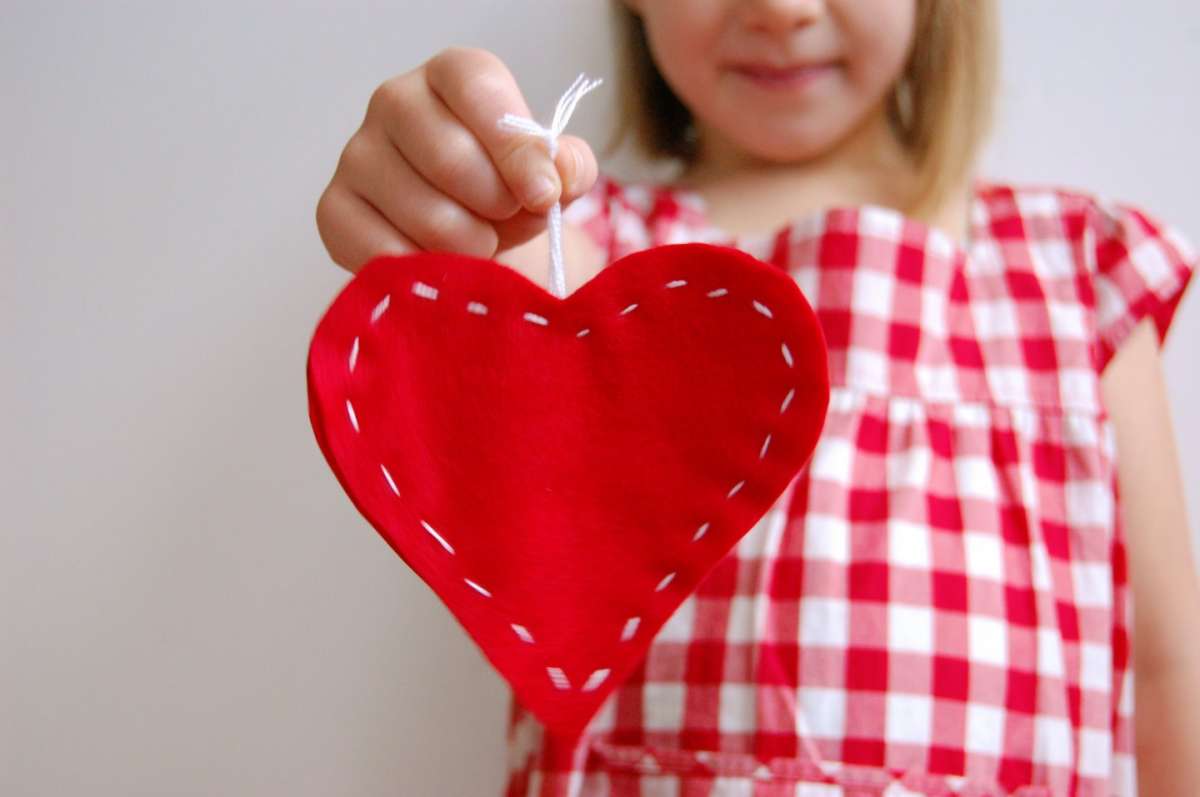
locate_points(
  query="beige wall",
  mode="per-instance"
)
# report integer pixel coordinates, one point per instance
(188, 603)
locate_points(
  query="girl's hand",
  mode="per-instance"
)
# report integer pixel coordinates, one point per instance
(429, 168)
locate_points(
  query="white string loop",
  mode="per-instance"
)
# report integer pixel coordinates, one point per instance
(562, 115)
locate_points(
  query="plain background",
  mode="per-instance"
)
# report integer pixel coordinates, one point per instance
(189, 605)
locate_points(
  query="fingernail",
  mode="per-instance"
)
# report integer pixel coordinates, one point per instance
(576, 168)
(541, 190)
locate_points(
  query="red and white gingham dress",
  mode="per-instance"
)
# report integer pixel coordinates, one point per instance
(938, 604)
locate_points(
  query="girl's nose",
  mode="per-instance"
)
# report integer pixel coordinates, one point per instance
(776, 15)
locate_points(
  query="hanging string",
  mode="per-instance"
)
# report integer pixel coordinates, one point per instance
(562, 115)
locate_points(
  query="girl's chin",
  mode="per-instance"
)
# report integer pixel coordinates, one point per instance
(767, 154)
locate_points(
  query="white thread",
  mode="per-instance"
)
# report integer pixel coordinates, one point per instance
(733, 491)
(477, 588)
(762, 308)
(558, 677)
(766, 443)
(388, 476)
(424, 291)
(535, 318)
(523, 632)
(665, 581)
(562, 114)
(786, 401)
(379, 308)
(787, 354)
(630, 628)
(353, 417)
(477, 308)
(629, 309)
(700, 532)
(582, 332)
(353, 355)
(676, 283)
(716, 293)
(595, 679)
(437, 537)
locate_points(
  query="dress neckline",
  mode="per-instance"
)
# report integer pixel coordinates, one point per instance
(820, 217)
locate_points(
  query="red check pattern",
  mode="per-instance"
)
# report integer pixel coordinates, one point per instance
(938, 604)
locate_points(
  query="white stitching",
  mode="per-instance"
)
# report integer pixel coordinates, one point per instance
(718, 292)
(766, 443)
(629, 309)
(535, 318)
(676, 283)
(582, 332)
(438, 537)
(700, 532)
(787, 354)
(354, 354)
(425, 291)
(733, 490)
(477, 308)
(388, 476)
(595, 679)
(786, 401)
(353, 416)
(558, 677)
(379, 308)
(478, 588)
(630, 628)
(762, 308)
(523, 632)
(665, 581)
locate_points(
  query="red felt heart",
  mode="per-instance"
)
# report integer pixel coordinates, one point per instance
(564, 472)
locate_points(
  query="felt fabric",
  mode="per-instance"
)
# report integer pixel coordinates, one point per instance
(564, 472)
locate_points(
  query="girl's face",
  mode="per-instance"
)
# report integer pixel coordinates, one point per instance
(779, 80)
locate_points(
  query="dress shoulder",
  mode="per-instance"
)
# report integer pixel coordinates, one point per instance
(1140, 266)
(1127, 263)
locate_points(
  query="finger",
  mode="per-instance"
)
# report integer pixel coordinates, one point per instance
(577, 168)
(532, 157)
(442, 150)
(427, 216)
(479, 89)
(354, 231)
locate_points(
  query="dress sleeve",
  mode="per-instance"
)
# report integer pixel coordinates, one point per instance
(1140, 268)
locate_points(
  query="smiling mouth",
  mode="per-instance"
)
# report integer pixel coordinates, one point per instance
(774, 77)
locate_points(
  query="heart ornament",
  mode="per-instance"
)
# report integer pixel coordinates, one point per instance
(564, 472)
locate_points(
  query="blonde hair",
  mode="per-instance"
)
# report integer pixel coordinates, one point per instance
(940, 109)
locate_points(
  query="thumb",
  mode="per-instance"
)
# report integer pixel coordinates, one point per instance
(577, 170)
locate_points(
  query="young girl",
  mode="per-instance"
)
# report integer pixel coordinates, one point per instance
(941, 601)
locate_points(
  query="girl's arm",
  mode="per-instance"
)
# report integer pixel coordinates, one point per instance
(1162, 572)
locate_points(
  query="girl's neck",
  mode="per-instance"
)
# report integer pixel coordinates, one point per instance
(748, 195)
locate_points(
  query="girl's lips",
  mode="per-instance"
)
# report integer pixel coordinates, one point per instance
(772, 77)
